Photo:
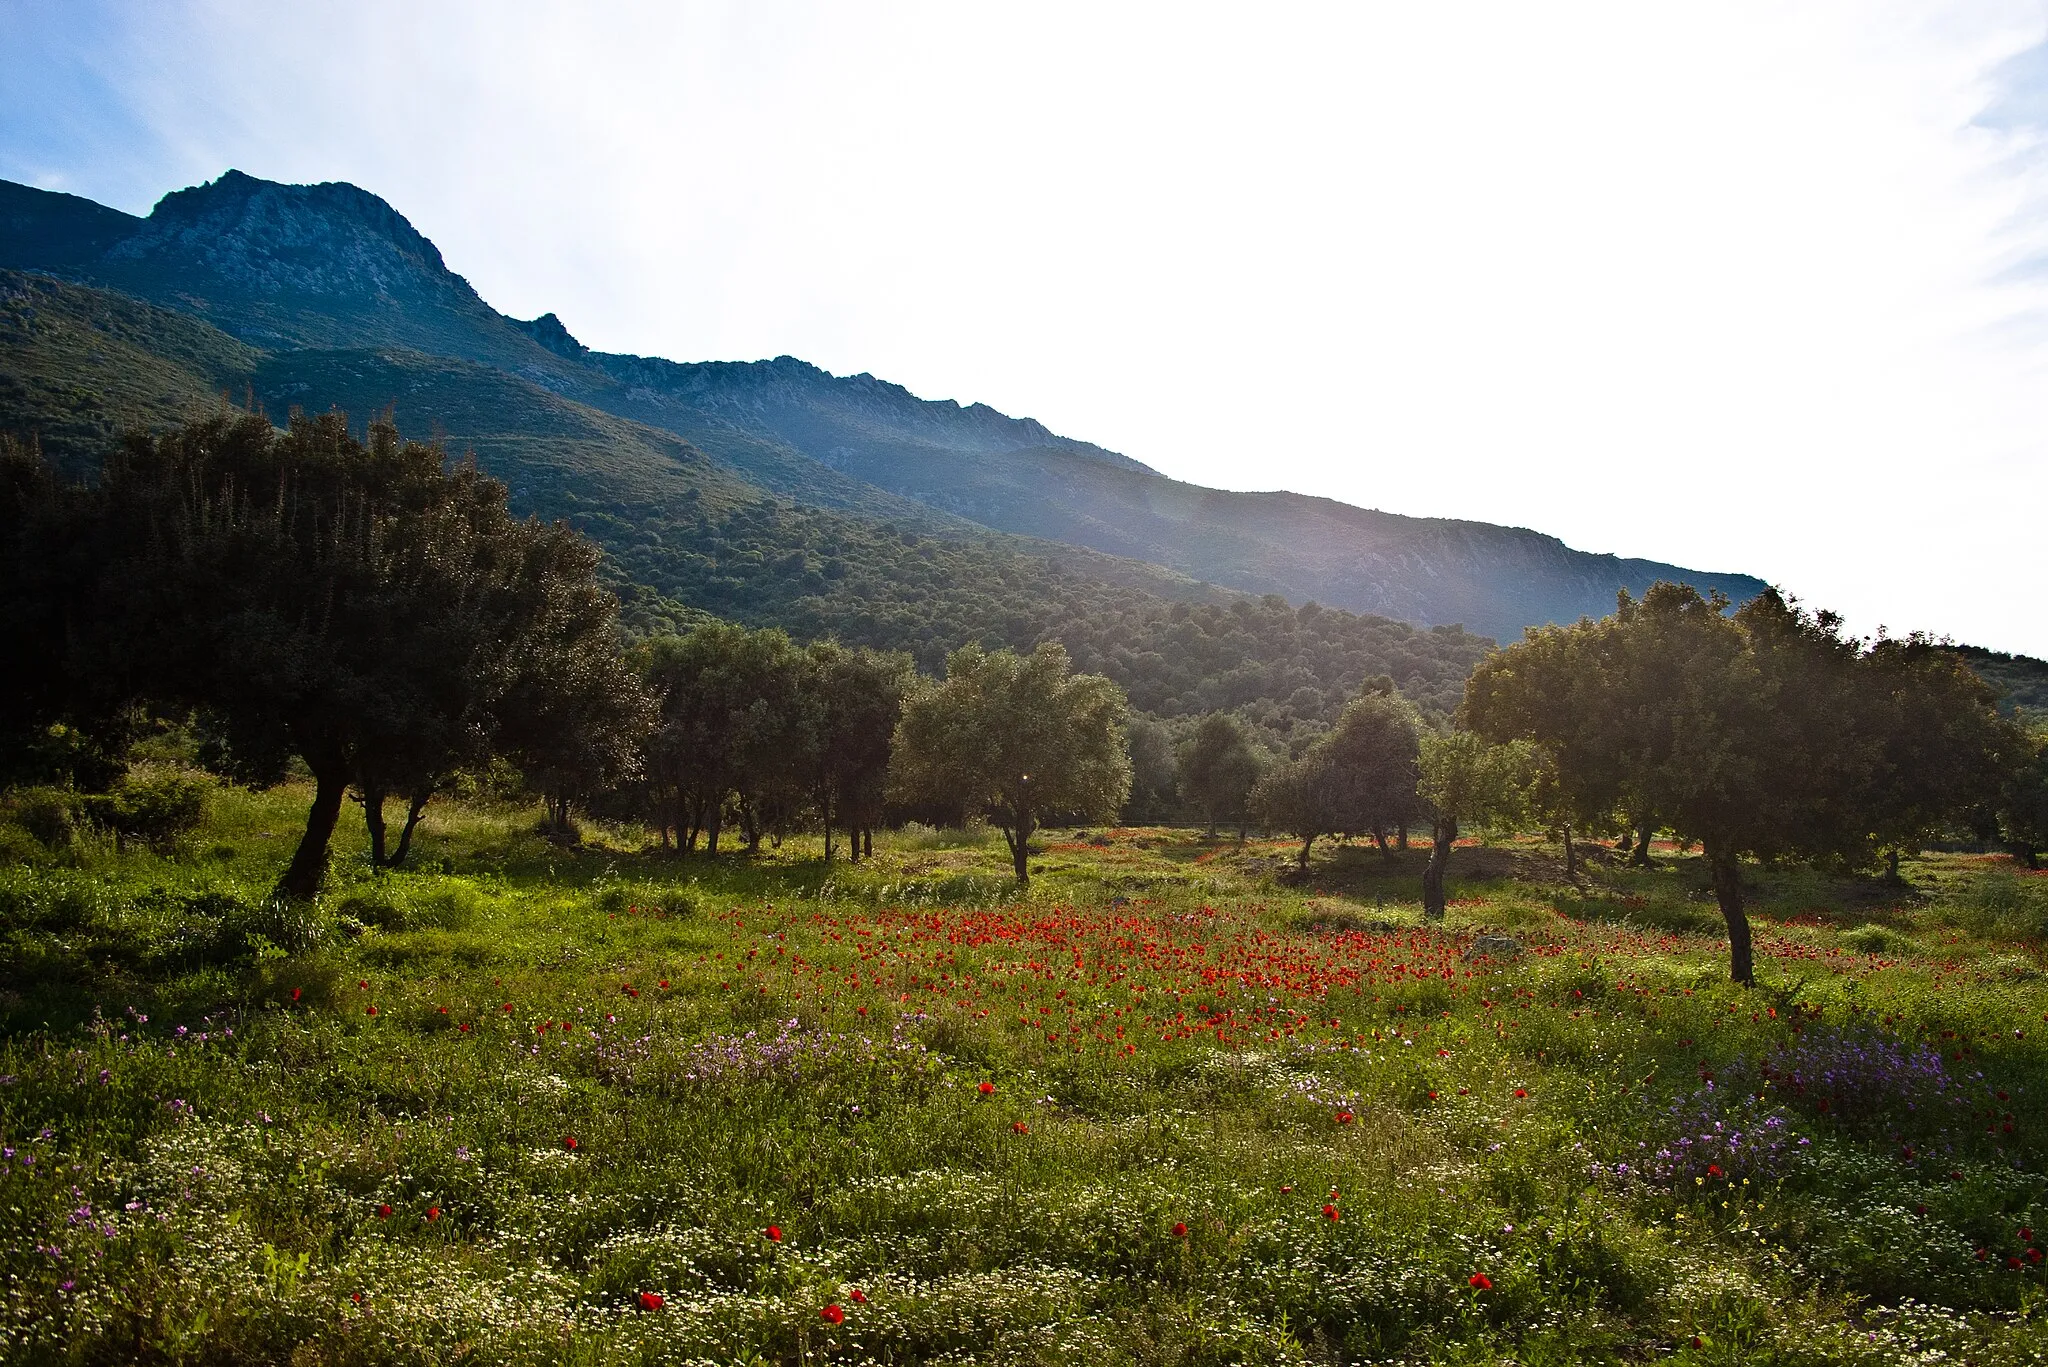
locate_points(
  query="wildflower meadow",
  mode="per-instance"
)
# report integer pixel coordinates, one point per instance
(1181, 1103)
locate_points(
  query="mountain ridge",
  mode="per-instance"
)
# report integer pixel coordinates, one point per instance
(335, 267)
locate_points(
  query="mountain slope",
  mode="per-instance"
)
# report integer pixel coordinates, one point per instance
(82, 363)
(334, 267)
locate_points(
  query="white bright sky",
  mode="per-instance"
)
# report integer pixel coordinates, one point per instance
(1741, 286)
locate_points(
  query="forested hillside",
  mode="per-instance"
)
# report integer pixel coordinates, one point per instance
(768, 493)
(323, 267)
(686, 538)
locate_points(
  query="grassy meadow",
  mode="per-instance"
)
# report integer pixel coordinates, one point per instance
(1179, 1105)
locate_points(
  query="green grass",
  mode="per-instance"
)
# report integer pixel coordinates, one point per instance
(1177, 1033)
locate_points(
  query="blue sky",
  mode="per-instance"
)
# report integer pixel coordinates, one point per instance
(1752, 286)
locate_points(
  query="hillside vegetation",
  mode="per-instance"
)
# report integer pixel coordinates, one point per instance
(323, 267)
(687, 537)
(601, 1105)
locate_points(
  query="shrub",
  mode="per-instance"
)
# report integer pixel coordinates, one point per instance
(393, 905)
(155, 809)
(1876, 939)
(46, 814)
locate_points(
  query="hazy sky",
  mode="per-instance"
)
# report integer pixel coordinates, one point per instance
(1754, 287)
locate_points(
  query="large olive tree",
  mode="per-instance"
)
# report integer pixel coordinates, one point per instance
(1762, 733)
(361, 605)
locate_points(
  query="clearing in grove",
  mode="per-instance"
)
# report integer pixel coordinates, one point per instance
(1180, 1105)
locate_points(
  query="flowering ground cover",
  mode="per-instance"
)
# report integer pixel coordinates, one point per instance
(1180, 1105)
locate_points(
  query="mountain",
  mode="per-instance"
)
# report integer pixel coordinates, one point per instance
(333, 267)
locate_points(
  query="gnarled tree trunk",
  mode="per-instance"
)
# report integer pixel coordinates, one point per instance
(1443, 834)
(1641, 858)
(302, 877)
(373, 821)
(1019, 839)
(1727, 870)
(413, 808)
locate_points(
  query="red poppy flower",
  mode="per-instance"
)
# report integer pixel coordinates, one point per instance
(1330, 1213)
(1713, 1169)
(2033, 1255)
(2026, 1235)
(664, 983)
(362, 984)
(857, 1296)
(383, 1212)
(774, 1233)
(464, 1027)
(1345, 1117)
(569, 1142)
(369, 1010)
(1521, 1093)
(507, 1006)
(1983, 1254)
(1284, 1190)
(444, 1010)
(986, 1088)
(1480, 1282)
(650, 1300)
(356, 1296)
(832, 1314)
(1180, 1231)
(433, 1212)
(1020, 1127)
(295, 994)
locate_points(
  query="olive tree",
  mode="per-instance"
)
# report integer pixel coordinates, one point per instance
(1765, 733)
(1218, 768)
(359, 605)
(1466, 780)
(1017, 739)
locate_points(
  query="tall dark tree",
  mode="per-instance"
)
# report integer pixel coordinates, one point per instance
(2022, 815)
(358, 605)
(733, 738)
(1368, 765)
(852, 700)
(1295, 795)
(1465, 780)
(1942, 751)
(58, 723)
(1218, 767)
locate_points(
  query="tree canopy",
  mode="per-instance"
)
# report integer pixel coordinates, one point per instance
(1764, 733)
(357, 604)
(1015, 738)
(1218, 765)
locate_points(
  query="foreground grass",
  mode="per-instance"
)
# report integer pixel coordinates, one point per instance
(1180, 1105)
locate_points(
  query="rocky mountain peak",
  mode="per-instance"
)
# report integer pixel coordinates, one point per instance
(550, 333)
(331, 238)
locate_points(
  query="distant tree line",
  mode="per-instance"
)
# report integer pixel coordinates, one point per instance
(1284, 671)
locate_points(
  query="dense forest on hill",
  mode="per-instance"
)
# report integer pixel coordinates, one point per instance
(818, 574)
